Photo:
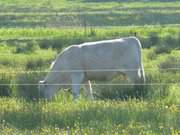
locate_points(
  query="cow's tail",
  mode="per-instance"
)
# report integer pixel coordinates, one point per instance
(141, 72)
(140, 87)
(140, 84)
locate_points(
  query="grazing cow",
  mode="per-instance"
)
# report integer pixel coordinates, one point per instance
(77, 65)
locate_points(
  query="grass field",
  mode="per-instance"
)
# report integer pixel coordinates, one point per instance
(32, 34)
(86, 117)
(64, 13)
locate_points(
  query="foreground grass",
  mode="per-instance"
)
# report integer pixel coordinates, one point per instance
(62, 115)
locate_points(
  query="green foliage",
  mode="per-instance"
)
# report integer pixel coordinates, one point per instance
(36, 63)
(32, 46)
(27, 84)
(121, 89)
(162, 49)
(153, 39)
(45, 44)
(40, 24)
(87, 117)
(170, 62)
(151, 54)
(28, 47)
(5, 84)
(174, 95)
(21, 48)
(149, 36)
(156, 88)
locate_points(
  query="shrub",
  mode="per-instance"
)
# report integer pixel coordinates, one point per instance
(45, 44)
(174, 95)
(153, 38)
(178, 41)
(21, 48)
(162, 49)
(33, 64)
(28, 47)
(144, 42)
(5, 84)
(170, 62)
(56, 43)
(28, 85)
(32, 46)
(151, 54)
(170, 41)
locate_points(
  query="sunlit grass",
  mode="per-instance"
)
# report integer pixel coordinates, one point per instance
(98, 117)
(50, 33)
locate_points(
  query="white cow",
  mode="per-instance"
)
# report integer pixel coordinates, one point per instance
(77, 65)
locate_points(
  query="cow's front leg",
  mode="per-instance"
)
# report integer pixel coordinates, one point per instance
(77, 79)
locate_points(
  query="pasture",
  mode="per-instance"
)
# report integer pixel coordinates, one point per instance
(32, 34)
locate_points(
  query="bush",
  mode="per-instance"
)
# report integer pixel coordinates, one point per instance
(21, 48)
(32, 46)
(56, 43)
(5, 84)
(153, 39)
(28, 85)
(162, 49)
(45, 44)
(178, 41)
(167, 44)
(33, 64)
(174, 95)
(170, 41)
(151, 54)
(170, 62)
(28, 47)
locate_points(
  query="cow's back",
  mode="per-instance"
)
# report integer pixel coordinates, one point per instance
(109, 54)
(98, 59)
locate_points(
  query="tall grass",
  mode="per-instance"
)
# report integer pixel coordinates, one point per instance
(27, 85)
(87, 117)
(120, 112)
(5, 87)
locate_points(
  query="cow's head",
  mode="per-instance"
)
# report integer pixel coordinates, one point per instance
(47, 90)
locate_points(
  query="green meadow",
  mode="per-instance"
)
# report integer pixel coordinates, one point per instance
(33, 33)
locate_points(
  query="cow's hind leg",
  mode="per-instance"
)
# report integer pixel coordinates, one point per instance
(88, 90)
(77, 79)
